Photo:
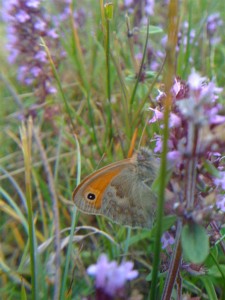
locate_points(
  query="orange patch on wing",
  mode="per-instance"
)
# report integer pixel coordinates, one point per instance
(99, 185)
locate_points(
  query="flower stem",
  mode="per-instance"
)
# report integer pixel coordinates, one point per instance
(191, 164)
(140, 69)
(168, 79)
(174, 264)
(108, 82)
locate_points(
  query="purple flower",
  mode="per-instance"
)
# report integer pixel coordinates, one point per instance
(195, 141)
(53, 34)
(175, 120)
(134, 6)
(195, 81)
(186, 37)
(158, 115)
(154, 66)
(40, 24)
(27, 22)
(149, 7)
(158, 146)
(13, 55)
(213, 23)
(80, 15)
(160, 96)
(184, 34)
(167, 239)
(214, 117)
(22, 16)
(100, 270)
(220, 181)
(174, 157)
(118, 275)
(50, 88)
(199, 105)
(41, 56)
(111, 277)
(35, 71)
(220, 203)
(128, 2)
(33, 3)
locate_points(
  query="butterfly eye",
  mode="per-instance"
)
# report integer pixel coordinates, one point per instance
(91, 196)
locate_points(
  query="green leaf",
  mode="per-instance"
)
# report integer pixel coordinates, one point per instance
(133, 77)
(211, 168)
(216, 272)
(152, 29)
(210, 261)
(144, 234)
(23, 293)
(195, 243)
(149, 276)
(210, 289)
(167, 223)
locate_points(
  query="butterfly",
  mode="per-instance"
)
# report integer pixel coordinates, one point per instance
(122, 191)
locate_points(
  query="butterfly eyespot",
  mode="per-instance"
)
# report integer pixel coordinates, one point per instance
(91, 196)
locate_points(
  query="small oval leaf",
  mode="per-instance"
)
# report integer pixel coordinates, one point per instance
(152, 29)
(195, 243)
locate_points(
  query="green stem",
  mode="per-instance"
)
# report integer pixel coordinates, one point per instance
(137, 116)
(168, 79)
(73, 225)
(124, 92)
(92, 120)
(127, 241)
(192, 144)
(160, 210)
(108, 82)
(140, 69)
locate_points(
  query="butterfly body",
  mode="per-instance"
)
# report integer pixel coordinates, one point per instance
(121, 191)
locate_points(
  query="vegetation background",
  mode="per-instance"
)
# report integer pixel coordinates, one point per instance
(75, 129)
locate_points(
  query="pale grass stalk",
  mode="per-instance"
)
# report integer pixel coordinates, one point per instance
(41, 204)
(16, 186)
(13, 276)
(13, 209)
(54, 199)
(26, 145)
(108, 9)
(36, 164)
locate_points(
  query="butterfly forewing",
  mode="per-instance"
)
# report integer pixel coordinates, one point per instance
(121, 191)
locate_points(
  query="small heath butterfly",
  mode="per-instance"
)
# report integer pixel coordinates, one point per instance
(121, 191)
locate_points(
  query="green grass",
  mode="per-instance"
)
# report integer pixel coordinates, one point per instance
(99, 107)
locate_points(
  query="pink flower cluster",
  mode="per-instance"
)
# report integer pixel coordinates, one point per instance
(27, 22)
(196, 139)
(111, 278)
